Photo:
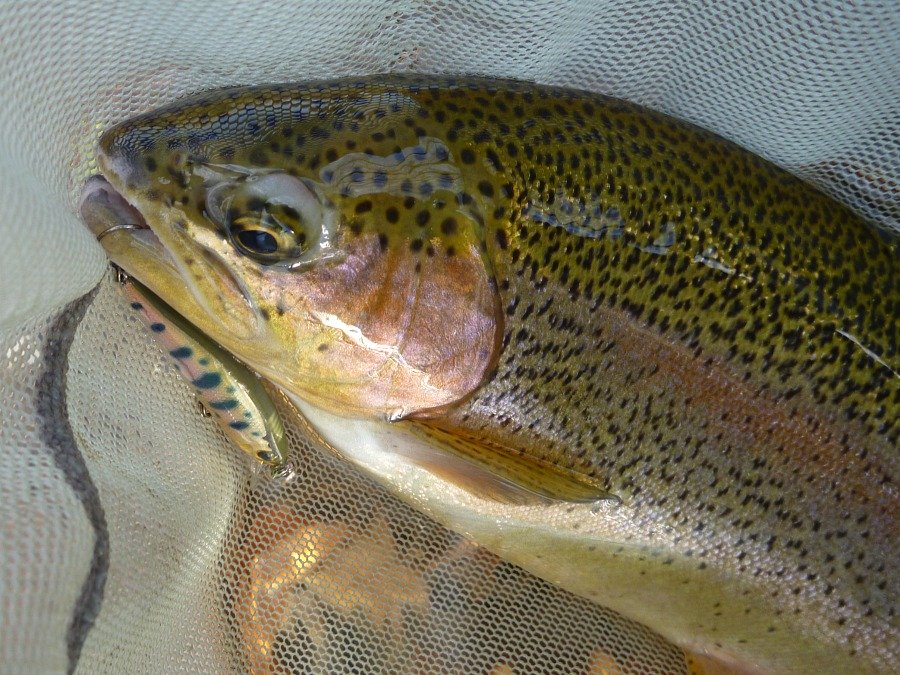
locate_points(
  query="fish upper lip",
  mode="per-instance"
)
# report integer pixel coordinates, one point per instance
(133, 218)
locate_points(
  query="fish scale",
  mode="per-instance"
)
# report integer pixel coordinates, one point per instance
(545, 275)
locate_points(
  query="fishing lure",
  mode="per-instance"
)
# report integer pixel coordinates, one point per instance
(228, 390)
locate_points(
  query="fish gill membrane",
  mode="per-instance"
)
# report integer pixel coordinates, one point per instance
(558, 289)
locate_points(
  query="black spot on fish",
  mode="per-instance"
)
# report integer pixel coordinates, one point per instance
(157, 327)
(258, 157)
(493, 159)
(485, 188)
(464, 198)
(502, 241)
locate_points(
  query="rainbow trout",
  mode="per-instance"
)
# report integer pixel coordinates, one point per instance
(666, 369)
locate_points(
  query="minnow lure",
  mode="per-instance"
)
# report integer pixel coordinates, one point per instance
(231, 393)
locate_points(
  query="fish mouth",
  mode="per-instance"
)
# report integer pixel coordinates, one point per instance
(126, 236)
(206, 292)
(106, 212)
(114, 207)
(98, 195)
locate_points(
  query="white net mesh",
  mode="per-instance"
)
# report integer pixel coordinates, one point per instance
(134, 538)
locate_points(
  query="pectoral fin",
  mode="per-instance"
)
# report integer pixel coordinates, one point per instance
(493, 471)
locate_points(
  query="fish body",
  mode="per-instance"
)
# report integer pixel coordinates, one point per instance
(545, 282)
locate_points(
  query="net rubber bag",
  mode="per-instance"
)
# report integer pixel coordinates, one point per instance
(133, 537)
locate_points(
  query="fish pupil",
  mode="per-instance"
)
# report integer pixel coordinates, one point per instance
(258, 241)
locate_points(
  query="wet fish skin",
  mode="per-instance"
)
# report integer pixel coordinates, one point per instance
(711, 339)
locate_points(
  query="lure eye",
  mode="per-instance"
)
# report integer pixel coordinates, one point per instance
(272, 218)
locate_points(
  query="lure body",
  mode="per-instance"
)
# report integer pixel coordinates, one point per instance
(227, 389)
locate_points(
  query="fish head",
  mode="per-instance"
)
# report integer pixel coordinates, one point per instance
(315, 236)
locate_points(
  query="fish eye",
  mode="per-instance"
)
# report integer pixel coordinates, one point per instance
(272, 218)
(258, 241)
(268, 233)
